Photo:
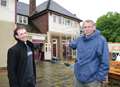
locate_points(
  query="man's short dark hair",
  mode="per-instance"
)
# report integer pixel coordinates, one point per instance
(16, 29)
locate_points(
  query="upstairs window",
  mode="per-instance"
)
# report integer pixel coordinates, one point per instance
(60, 20)
(22, 19)
(65, 21)
(3, 3)
(25, 20)
(54, 18)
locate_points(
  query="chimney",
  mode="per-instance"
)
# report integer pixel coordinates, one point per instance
(32, 7)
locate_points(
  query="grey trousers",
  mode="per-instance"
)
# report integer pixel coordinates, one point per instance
(91, 84)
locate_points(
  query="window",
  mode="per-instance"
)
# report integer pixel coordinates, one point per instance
(22, 19)
(64, 21)
(3, 3)
(67, 22)
(54, 18)
(60, 20)
(25, 20)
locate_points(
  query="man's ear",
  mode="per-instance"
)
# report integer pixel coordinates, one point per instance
(94, 27)
(17, 36)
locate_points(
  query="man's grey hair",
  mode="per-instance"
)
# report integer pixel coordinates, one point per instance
(89, 21)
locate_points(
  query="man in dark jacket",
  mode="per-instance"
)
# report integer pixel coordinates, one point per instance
(92, 63)
(20, 61)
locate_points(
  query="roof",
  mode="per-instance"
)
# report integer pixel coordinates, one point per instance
(22, 8)
(51, 5)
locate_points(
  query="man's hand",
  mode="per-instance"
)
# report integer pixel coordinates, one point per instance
(67, 43)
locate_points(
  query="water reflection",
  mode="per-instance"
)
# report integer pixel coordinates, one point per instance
(54, 75)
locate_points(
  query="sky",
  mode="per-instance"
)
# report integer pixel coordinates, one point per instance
(87, 9)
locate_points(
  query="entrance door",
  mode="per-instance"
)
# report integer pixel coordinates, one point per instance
(54, 49)
(47, 51)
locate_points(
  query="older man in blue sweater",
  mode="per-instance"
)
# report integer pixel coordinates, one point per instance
(92, 63)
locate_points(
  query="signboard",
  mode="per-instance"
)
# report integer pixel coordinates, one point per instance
(114, 71)
(114, 49)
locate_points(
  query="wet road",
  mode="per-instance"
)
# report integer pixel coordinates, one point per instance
(52, 75)
(48, 75)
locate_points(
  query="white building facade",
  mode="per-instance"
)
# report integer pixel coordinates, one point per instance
(7, 24)
(61, 30)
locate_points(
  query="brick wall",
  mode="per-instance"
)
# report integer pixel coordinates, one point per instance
(42, 23)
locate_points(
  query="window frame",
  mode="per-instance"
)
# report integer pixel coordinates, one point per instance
(3, 3)
(21, 19)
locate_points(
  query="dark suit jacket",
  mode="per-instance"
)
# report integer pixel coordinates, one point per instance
(16, 63)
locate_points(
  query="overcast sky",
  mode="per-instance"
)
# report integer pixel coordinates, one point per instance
(87, 9)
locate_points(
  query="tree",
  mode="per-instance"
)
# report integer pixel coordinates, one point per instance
(109, 25)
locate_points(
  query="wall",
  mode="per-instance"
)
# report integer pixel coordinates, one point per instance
(42, 23)
(61, 28)
(8, 13)
(6, 40)
(7, 24)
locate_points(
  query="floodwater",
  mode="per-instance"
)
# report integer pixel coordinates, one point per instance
(48, 75)
(52, 75)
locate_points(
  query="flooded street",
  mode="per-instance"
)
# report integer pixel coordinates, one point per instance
(48, 75)
(52, 75)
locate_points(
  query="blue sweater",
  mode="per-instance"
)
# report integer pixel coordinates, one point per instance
(92, 57)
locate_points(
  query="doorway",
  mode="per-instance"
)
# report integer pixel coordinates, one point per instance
(54, 48)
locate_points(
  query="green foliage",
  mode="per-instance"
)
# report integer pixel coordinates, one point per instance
(109, 25)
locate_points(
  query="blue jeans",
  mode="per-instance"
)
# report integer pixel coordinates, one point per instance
(91, 84)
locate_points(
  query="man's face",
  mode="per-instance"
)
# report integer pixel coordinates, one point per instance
(88, 28)
(22, 35)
